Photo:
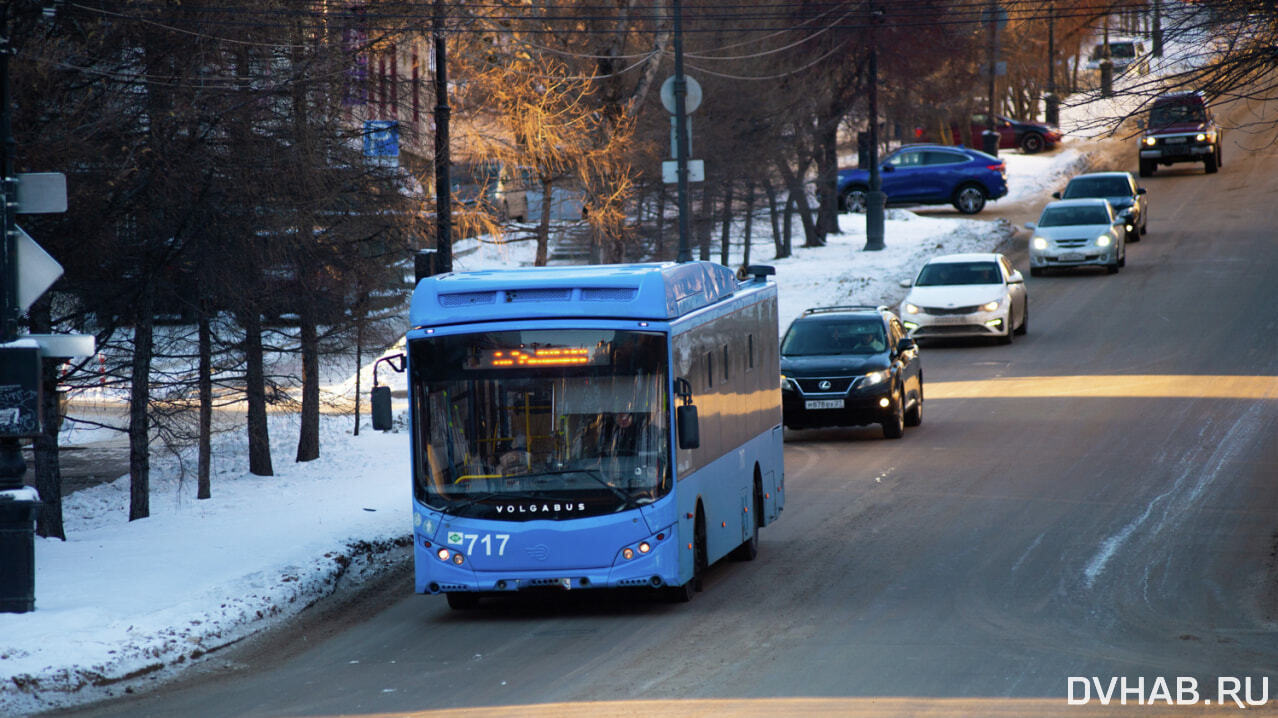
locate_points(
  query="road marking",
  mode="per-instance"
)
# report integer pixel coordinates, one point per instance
(1191, 386)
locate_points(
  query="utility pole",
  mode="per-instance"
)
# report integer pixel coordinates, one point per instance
(443, 184)
(1156, 32)
(9, 257)
(681, 132)
(1051, 103)
(989, 139)
(874, 199)
(1106, 64)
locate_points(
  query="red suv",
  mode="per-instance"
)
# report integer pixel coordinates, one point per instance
(1180, 129)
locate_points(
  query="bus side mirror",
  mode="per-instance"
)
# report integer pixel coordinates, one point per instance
(381, 394)
(687, 427)
(382, 408)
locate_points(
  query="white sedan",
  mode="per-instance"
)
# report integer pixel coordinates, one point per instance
(1078, 233)
(966, 295)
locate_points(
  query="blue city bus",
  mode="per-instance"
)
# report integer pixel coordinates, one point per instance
(591, 427)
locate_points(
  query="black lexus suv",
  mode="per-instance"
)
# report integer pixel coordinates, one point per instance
(849, 366)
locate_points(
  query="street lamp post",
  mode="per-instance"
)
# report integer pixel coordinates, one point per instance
(874, 199)
(1051, 103)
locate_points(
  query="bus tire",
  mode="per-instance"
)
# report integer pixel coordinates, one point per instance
(462, 601)
(749, 549)
(684, 593)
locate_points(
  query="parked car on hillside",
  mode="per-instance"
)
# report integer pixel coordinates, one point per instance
(1028, 137)
(1125, 54)
(1077, 233)
(850, 365)
(1120, 188)
(1180, 128)
(929, 174)
(966, 295)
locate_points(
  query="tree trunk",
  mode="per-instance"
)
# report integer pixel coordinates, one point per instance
(725, 236)
(787, 225)
(828, 181)
(749, 224)
(704, 221)
(660, 249)
(259, 437)
(543, 225)
(140, 397)
(359, 359)
(204, 463)
(799, 201)
(782, 250)
(308, 436)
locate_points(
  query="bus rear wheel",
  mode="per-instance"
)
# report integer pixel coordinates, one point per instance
(749, 549)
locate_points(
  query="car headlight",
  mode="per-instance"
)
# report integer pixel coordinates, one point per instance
(1103, 240)
(911, 309)
(874, 377)
(1200, 137)
(786, 384)
(1039, 243)
(1149, 141)
(992, 306)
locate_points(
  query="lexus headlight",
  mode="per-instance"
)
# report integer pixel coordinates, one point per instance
(911, 309)
(1103, 240)
(992, 306)
(786, 383)
(1150, 141)
(875, 377)
(1039, 243)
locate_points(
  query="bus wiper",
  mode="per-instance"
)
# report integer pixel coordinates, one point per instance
(628, 501)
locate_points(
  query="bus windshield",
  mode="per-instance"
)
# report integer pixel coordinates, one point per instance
(540, 424)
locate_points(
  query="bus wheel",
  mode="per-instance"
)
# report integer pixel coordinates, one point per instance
(699, 555)
(749, 549)
(684, 593)
(462, 601)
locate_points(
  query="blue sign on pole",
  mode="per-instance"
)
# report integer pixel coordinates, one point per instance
(381, 140)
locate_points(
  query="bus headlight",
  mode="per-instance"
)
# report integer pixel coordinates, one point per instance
(458, 558)
(644, 547)
(444, 554)
(627, 553)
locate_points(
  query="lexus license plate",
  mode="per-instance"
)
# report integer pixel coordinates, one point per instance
(823, 404)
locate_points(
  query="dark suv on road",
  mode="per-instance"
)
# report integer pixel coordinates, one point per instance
(848, 366)
(1180, 128)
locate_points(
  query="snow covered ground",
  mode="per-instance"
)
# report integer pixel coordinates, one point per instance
(122, 605)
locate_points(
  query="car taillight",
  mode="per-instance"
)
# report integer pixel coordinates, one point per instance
(997, 168)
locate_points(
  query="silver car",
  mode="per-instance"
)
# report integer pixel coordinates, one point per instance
(966, 295)
(1078, 233)
(1120, 188)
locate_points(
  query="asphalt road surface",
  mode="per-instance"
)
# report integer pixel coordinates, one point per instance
(1098, 500)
